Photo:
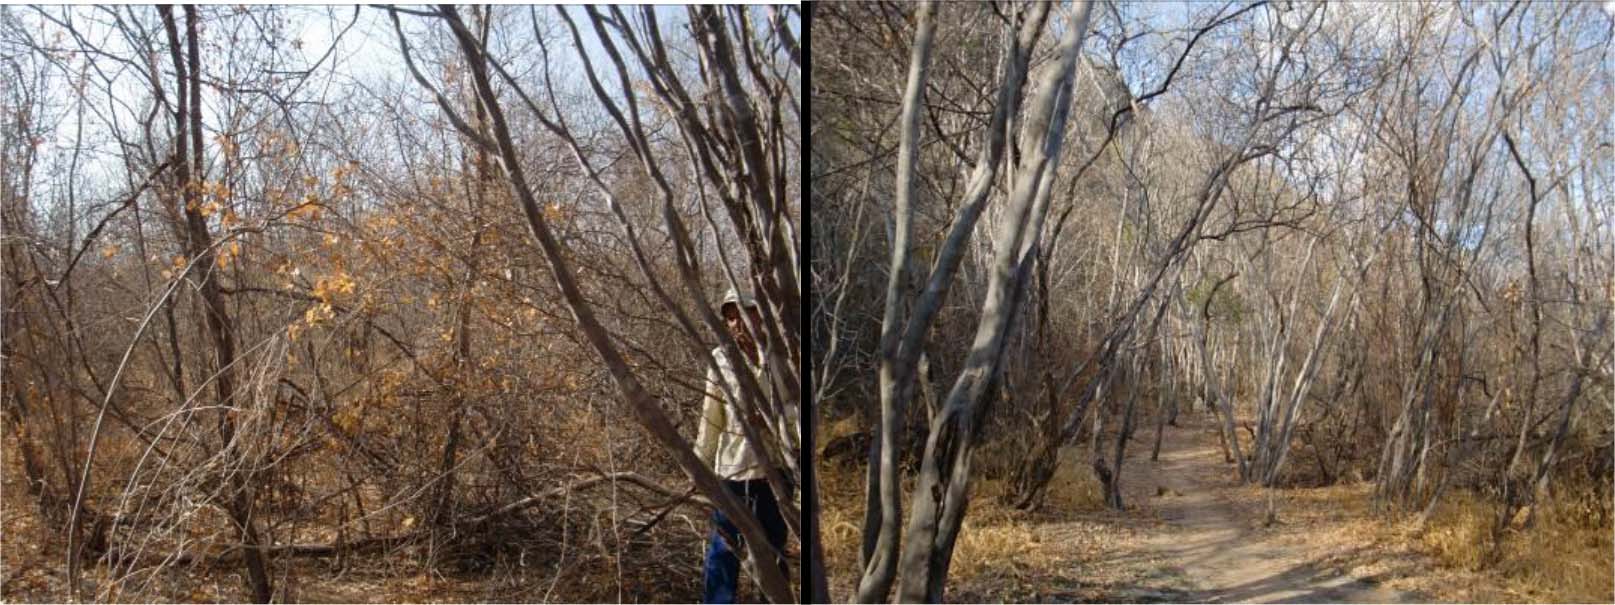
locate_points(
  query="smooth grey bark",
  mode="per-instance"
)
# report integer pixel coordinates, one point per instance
(1585, 363)
(941, 491)
(1443, 259)
(899, 370)
(1282, 423)
(1285, 427)
(880, 567)
(1113, 489)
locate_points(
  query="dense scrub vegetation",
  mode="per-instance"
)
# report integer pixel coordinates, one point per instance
(1376, 242)
(302, 300)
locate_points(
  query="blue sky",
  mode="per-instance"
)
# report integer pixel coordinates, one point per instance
(366, 57)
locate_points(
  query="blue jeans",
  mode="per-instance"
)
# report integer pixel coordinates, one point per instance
(722, 569)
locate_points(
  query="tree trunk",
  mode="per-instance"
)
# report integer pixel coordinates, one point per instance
(881, 556)
(941, 491)
(217, 322)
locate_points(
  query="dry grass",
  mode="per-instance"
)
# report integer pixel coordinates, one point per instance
(1338, 513)
(1002, 554)
(997, 538)
(993, 537)
(840, 520)
(1074, 487)
(1459, 533)
(1566, 556)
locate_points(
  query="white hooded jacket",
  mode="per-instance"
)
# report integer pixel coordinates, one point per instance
(721, 441)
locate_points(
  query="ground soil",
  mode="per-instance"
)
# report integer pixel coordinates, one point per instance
(1216, 549)
(1191, 532)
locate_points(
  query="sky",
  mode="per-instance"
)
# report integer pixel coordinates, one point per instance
(366, 56)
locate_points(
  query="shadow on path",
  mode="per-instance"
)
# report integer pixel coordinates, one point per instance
(1209, 550)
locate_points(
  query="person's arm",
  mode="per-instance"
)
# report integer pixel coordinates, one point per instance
(712, 419)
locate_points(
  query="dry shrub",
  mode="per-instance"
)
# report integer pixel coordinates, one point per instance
(993, 536)
(1566, 555)
(998, 547)
(841, 428)
(1074, 487)
(995, 539)
(1458, 534)
(841, 500)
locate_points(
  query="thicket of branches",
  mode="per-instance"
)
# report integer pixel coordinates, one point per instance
(1375, 242)
(284, 284)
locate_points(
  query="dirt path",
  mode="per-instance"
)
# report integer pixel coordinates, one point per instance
(1209, 547)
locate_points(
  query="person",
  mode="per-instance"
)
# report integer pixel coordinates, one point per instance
(722, 445)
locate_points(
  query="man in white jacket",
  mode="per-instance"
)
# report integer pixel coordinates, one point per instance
(722, 444)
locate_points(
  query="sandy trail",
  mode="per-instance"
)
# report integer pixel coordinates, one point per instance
(1210, 549)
